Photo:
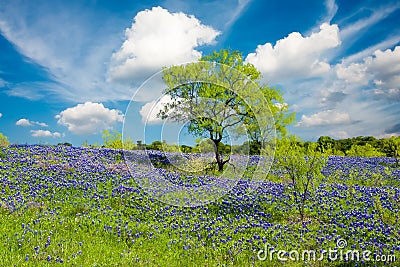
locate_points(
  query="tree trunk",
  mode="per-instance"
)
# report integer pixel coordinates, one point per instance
(220, 161)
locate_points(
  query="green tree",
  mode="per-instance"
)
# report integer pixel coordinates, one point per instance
(325, 144)
(128, 144)
(391, 146)
(366, 150)
(112, 139)
(302, 167)
(186, 149)
(4, 141)
(203, 146)
(215, 108)
(156, 145)
(171, 147)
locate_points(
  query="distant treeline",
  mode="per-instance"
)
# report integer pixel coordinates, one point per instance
(365, 146)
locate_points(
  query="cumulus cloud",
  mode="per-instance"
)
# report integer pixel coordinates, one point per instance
(89, 118)
(156, 39)
(354, 73)
(44, 133)
(23, 122)
(1, 115)
(40, 123)
(326, 117)
(150, 110)
(296, 57)
(381, 70)
(26, 122)
(385, 67)
(352, 93)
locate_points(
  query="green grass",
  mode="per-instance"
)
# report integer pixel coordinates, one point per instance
(101, 226)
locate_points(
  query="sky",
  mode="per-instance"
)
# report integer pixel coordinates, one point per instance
(69, 69)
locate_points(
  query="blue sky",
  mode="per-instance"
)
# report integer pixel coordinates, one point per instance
(68, 69)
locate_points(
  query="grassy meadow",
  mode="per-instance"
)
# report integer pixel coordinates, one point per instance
(69, 206)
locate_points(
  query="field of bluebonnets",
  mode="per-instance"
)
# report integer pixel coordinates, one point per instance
(81, 207)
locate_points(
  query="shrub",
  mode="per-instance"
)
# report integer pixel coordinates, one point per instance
(112, 139)
(301, 168)
(4, 141)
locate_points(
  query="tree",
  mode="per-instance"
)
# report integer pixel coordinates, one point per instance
(366, 150)
(4, 141)
(128, 144)
(281, 118)
(112, 139)
(221, 95)
(156, 145)
(391, 146)
(325, 144)
(186, 149)
(302, 167)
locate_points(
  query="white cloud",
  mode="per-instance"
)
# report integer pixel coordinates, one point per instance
(26, 122)
(150, 110)
(23, 122)
(383, 45)
(295, 56)
(44, 133)
(352, 93)
(381, 70)
(40, 124)
(327, 117)
(89, 118)
(77, 66)
(331, 8)
(354, 73)
(365, 88)
(385, 67)
(1, 115)
(156, 39)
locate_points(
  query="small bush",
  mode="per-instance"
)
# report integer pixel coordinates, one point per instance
(4, 141)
